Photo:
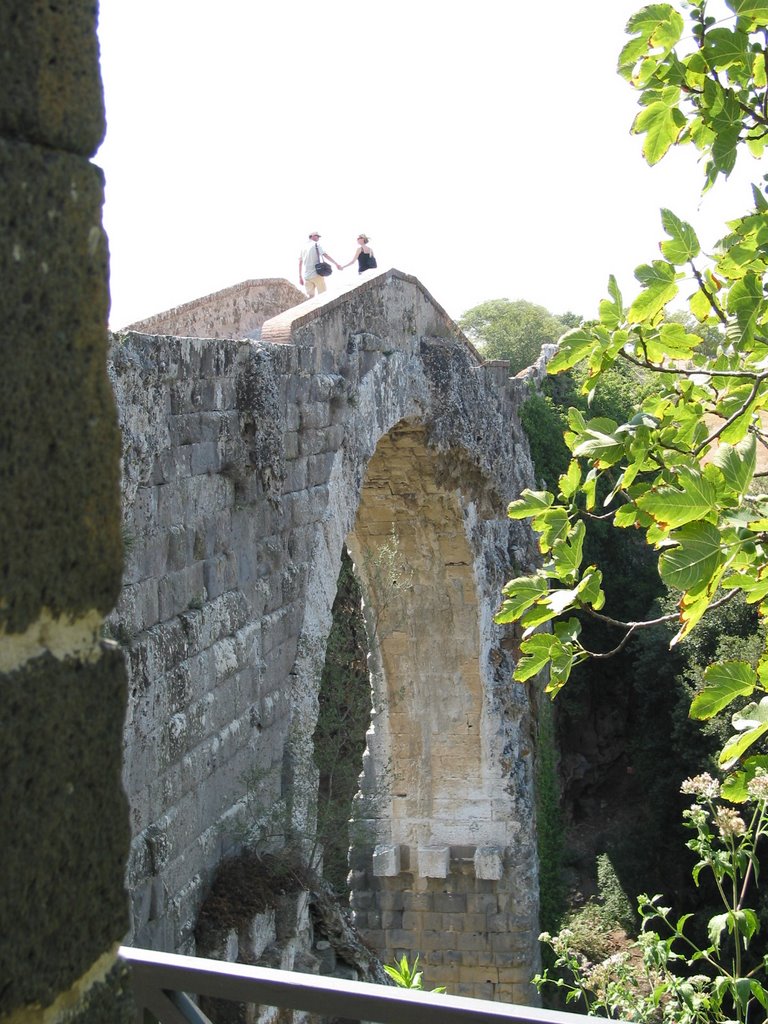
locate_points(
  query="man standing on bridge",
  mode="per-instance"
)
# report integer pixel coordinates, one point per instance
(311, 255)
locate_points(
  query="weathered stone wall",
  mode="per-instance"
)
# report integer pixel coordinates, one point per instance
(62, 903)
(247, 465)
(236, 312)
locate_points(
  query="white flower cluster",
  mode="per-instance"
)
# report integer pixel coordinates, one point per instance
(758, 786)
(702, 786)
(729, 822)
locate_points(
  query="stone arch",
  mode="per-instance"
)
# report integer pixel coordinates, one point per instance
(246, 466)
(441, 842)
(410, 546)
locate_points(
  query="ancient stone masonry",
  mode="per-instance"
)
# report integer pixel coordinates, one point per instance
(236, 312)
(364, 419)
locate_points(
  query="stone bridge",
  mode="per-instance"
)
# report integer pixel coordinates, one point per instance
(251, 456)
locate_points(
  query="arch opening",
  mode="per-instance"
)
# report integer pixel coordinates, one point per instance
(410, 548)
(441, 854)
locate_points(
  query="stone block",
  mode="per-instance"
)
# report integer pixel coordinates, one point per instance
(440, 974)
(475, 990)
(394, 919)
(450, 902)
(311, 441)
(489, 862)
(504, 942)
(471, 941)
(143, 511)
(205, 458)
(441, 940)
(391, 900)
(319, 469)
(220, 574)
(474, 922)
(478, 975)
(481, 903)
(315, 415)
(416, 900)
(502, 922)
(360, 920)
(376, 938)
(179, 591)
(360, 901)
(433, 861)
(296, 475)
(413, 920)
(401, 938)
(386, 860)
(291, 444)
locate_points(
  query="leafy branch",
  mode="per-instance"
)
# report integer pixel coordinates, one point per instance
(683, 469)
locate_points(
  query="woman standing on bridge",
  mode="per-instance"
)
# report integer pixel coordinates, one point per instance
(364, 256)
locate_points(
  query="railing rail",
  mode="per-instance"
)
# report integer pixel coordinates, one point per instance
(163, 983)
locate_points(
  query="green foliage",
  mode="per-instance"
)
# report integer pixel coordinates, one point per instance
(343, 718)
(615, 905)
(667, 974)
(543, 424)
(406, 976)
(711, 94)
(712, 334)
(588, 932)
(680, 472)
(514, 330)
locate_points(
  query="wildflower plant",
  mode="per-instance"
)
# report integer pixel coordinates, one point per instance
(666, 975)
(407, 975)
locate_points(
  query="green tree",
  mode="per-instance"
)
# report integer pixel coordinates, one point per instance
(514, 330)
(682, 472)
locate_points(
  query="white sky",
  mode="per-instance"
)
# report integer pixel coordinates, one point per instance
(482, 144)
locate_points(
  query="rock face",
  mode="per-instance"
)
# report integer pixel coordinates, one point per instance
(364, 419)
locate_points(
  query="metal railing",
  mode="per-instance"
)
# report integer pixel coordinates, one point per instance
(163, 983)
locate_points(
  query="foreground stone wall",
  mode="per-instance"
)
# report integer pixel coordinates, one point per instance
(63, 907)
(366, 419)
